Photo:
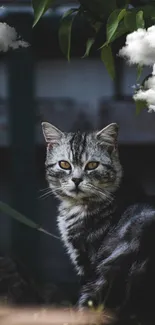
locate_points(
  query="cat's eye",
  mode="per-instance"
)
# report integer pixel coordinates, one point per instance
(64, 164)
(92, 165)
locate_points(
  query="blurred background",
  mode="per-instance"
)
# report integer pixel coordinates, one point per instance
(38, 84)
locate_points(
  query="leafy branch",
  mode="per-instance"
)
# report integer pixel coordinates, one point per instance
(117, 16)
(5, 208)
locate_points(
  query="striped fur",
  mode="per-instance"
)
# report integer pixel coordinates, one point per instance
(105, 243)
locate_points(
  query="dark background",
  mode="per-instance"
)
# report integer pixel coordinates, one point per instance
(39, 84)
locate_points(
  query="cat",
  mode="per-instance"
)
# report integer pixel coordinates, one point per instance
(111, 246)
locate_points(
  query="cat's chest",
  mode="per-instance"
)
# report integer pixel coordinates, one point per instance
(72, 230)
(72, 226)
(71, 234)
(83, 232)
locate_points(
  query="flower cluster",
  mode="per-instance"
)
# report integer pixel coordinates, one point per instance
(9, 38)
(140, 49)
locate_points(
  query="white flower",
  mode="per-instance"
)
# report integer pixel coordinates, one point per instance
(150, 83)
(148, 96)
(151, 108)
(140, 47)
(148, 93)
(9, 38)
(151, 36)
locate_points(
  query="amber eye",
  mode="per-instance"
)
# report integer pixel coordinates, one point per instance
(64, 164)
(92, 165)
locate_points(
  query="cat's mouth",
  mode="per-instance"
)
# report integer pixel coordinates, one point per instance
(76, 190)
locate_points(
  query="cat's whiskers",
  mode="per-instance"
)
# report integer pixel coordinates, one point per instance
(45, 195)
(101, 192)
(44, 189)
(109, 194)
(55, 190)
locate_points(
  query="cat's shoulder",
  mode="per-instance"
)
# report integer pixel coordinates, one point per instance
(136, 218)
(140, 212)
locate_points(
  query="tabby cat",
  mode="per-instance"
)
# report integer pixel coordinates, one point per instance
(111, 246)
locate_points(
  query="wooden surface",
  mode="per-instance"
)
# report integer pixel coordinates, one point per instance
(43, 316)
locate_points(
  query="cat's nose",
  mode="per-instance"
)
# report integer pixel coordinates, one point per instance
(77, 181)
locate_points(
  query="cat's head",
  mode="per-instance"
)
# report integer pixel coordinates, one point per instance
(82, 166)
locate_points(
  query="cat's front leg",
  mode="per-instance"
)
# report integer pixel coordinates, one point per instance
(92, 293)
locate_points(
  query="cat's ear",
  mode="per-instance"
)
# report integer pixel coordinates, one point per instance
(108, 135)
(51, 134)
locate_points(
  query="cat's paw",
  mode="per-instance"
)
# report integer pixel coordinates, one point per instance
(88, 300)
(92, 294)
(84, 300)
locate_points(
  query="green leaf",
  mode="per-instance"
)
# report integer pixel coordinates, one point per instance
(140, 105)
(89, 44)
(121, 30)
(5, 208)
(148, 11)
(40, 7)
(130, 21)
(113, 22)
(107, 58)
(139, 71)
(98, 9)
(140, 20)
(65, 30)
(104, 44)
